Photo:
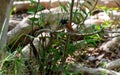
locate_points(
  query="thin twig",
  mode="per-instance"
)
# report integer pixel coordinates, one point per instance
(70, 33)
(118, 4)
(34, 17)
(89, 13)
(111, 31)
(68, 36)
(71, 12)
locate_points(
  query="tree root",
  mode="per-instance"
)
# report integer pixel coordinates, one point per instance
(92, 71)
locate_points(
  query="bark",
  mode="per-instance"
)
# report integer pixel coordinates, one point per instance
(5, 7)
(113, 64)
(12, 24)
(92, 71)
(113, 43)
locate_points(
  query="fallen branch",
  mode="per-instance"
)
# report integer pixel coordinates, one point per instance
(36, 42)
(92, 71)
(47, 4)
(12, 24)
(25, 25)
(113, 64)
(113, 43)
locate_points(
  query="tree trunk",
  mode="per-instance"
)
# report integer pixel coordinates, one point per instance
(5, 6)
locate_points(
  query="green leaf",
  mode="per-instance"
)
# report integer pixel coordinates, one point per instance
(33, 1)
(42, 22)
(31, 11)
(33, 19)
(90, 3)
(92, 41)
(81, 16)
(86, 6)
(71, 48)
(63, 7)
(77, 19)
(40, 7)
(76, 11)
(84, 11)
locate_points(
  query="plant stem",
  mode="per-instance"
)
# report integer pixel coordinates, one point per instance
(68, 36)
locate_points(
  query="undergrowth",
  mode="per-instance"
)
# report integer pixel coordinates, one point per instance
(50, 58)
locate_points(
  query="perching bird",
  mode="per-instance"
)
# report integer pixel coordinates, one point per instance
(67, 25)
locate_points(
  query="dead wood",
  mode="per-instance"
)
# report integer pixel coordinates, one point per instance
(114, 41)
(113, 64)
(92, 71)
(36, 42)
(24, 27)
(110, 45)
(25, 5)
(12, 24)
(47, 4)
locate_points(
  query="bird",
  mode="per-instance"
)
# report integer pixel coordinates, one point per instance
(67, 24)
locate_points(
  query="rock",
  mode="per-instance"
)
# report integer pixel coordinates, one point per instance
(115, 15)
(113, 43)
(92, 58)
(97, 19)
(100, 56)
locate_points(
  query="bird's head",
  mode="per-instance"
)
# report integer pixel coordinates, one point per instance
(63, 21)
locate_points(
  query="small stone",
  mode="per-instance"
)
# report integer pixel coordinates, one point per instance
(103, 60)
(92, 58)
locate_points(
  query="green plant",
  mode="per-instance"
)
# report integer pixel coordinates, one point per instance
(12, 63)
(50, 56)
